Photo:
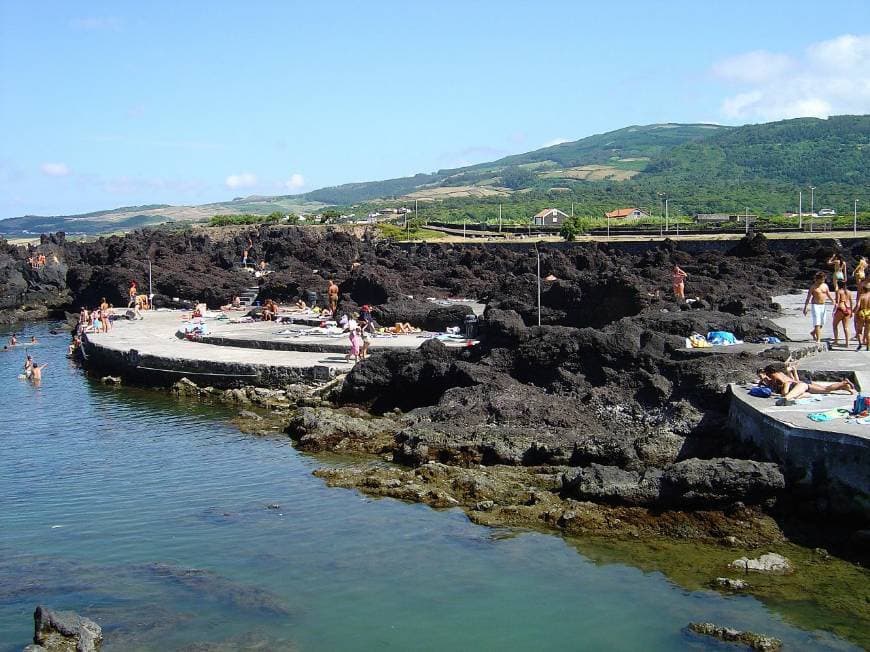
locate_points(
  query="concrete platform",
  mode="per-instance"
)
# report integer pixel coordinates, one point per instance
(297, 337)
(149, 351)
(832, 454)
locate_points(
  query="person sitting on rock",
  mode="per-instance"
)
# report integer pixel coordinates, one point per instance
(784, 380)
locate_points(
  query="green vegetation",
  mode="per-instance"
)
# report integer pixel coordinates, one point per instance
(414, 231)
(700, 168)
(275, 217)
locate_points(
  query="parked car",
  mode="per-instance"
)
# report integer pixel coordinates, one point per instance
(827, 212)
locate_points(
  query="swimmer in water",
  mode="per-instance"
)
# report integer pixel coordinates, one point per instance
(28, 366)
(36, 373)
(13, 341)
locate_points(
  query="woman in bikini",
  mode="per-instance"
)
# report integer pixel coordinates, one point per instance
(860, 273)
(836, 261)
(862, 317)
(787, 384)
(842, 313)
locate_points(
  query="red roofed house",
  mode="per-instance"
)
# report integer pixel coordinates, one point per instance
(550, 217)
(626, 214)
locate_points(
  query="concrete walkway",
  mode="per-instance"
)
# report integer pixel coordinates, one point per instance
(834, 453)
(826, 364)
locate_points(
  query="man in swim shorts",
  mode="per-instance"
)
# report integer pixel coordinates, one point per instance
(819, 294)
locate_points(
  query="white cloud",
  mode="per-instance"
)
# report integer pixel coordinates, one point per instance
(243, 180)
(55, 169)
(295, 182)
(555, 141)
(828, 78)
(753, 67)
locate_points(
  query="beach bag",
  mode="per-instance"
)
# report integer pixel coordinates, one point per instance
(761, 391)
(861, 405)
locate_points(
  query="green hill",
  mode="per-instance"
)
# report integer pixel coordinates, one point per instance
(701, 167)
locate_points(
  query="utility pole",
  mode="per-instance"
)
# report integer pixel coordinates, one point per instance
(855, 219)
(801, 210)
(812, 206)
(667, 199)
(151, 292)
(499, 218)
(747, 220)
(572, 209)
(538, 254)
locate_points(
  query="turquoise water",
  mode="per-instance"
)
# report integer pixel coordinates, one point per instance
(152, 516)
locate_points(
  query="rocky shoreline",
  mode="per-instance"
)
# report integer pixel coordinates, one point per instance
(598, 416)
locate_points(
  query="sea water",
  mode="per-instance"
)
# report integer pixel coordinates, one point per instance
(172, 529)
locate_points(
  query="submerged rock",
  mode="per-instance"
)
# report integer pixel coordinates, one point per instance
(730, 584)
(751, 639)
(65, 631)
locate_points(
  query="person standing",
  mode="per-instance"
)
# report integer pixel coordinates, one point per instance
(819, 294)
(862, 316)
(332, 297)
(132, 294)
(679, 280)
(842, 313)
(836, 261)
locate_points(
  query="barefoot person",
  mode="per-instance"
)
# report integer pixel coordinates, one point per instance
(784, 381)
(819, 294)
(862, 317)
(842, 313)
(332, 296)
(679, 280)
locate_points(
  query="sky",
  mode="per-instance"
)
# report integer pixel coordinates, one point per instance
(108, 104)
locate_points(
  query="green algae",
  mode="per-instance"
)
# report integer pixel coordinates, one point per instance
(823, 593)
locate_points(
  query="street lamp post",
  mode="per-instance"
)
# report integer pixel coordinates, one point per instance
(855, 219)
(812, 206)
(150, 291)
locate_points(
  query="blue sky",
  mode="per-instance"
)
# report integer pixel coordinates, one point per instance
(107, 104)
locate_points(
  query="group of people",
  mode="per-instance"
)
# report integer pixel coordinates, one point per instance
(98, 320)
(33, 370)
(846, 309)
(36, 261)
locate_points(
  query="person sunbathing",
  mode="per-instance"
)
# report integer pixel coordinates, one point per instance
(401, 328)
(787, 384)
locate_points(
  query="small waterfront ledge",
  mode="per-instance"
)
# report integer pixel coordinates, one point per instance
(830, 458)
(149, 352)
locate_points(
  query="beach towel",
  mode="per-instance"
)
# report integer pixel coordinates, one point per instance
(718, 338)
(829, 415)
(861, 405)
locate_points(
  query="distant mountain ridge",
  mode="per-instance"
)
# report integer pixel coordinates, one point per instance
(697, 161)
